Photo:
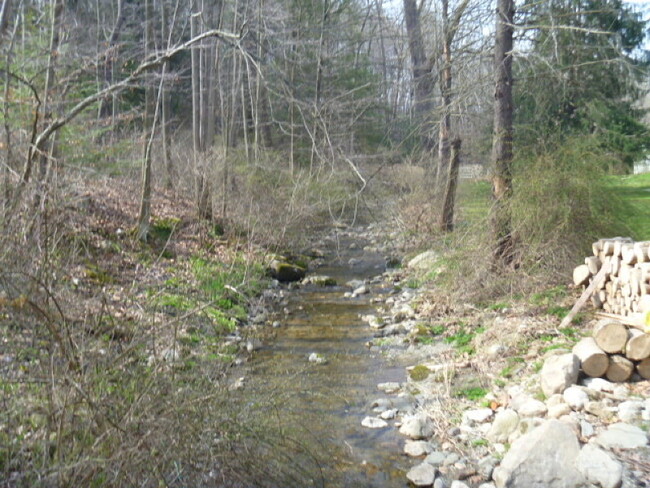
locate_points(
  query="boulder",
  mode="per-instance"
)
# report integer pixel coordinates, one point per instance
(599, 467)
(559, 372)
(504, 424)
(543, 458)
(417, 426)
(423, 474)
(423, 261)
(286, 272)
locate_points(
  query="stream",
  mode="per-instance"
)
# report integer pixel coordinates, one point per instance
(329, 401)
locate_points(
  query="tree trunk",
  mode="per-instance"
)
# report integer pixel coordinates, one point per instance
(144, 216)
(106, 105)
(502, 136)
(421, 69)
(165, 108)
(5, 7)
(445, 90)
(447, 220)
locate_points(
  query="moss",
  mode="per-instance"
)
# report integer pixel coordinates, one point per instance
(419, 373)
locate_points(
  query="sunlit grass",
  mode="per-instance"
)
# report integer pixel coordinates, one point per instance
(635, 191)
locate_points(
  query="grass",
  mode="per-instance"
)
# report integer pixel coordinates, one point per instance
(473, 394)
(635, 191)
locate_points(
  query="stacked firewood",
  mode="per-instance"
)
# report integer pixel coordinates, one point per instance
(618, 275)
(625, 288)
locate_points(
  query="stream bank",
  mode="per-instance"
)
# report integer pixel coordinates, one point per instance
(400, 386)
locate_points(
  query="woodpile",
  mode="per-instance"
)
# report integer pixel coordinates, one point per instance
(617, 279)
(626, 287)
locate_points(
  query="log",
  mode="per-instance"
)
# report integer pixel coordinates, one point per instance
(608, 247)
(643, 368)
(581, 275)
(593, 360)
(620, 369)
(628, 255)
(644, 303)
(638, 345)
(641, 251)
(597, 247)
(593, 263)
(615, 265)
(619, 242)
(610, 335)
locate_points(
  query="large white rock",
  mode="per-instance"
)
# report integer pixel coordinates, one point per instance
(622, 436)
(559, 372)
(504, 424)
(599, 468)
(422, 475)
(543, 458)
(417, 426)
(423, 261)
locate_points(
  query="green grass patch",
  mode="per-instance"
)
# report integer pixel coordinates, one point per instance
(634, 190)
(474, 393)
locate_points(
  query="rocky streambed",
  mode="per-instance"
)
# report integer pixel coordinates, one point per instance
(398, 392)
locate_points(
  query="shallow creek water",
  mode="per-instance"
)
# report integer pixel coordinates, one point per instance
(330, 400)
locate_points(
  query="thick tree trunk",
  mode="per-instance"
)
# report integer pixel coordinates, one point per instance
(447, 220)
(503, 135)
(421, 67)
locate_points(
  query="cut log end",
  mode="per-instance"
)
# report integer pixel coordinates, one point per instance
(610, 335)
(593, 360)
(581, 275)
(620, 369)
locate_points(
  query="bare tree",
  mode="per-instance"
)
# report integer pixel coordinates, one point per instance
(421, 66)
(502, 137)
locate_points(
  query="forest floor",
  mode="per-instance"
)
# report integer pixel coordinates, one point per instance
(184, 302)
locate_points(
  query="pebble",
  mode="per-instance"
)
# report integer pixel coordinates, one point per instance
(478, 416)
(451, 458)
(575, 397)
(532, 408)
(557, 411)
(389, 387)
(388, 414)
(599, 384)
(422, 475)
(630, 411)
(417, 448)
(374, 423)
(622, 436)
(436, 458)
(586, 429)
(316, 358)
